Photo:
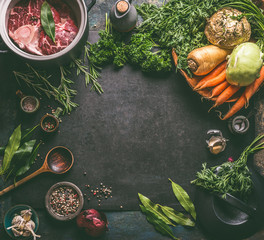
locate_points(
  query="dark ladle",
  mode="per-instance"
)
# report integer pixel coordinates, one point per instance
(58, 160)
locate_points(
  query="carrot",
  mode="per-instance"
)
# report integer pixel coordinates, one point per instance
(236, 107)
(219, 89)
(226, 94)
(253, 87)
(203, 60)
(212, 74)
(214, 81)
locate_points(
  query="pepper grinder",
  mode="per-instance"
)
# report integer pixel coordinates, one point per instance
(123, 16)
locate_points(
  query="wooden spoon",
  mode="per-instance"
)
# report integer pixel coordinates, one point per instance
(58, 160)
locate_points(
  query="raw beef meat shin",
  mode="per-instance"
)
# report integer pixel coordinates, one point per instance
(25, 28)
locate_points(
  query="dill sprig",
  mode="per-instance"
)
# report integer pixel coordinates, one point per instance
(230, 177)
(39, 82)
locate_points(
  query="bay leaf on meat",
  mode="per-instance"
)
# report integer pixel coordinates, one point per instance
(183, 198)
(47, 20)
(158, 224)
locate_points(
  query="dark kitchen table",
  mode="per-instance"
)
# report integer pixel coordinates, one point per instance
(125, 225)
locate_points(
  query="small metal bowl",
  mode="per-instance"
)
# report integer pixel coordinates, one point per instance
(16, 210)
(50, 209)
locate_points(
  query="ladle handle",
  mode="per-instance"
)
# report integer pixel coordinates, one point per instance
(25, 179)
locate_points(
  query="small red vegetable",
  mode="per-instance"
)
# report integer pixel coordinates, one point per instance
(93, 222)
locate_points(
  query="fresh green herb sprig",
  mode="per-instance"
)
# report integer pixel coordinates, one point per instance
(40, 83)
(162, 217)
(230, 177)
(178, 24)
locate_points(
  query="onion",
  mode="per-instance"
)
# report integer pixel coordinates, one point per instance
(93, 222)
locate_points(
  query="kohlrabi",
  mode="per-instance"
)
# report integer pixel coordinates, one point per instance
(244, 64)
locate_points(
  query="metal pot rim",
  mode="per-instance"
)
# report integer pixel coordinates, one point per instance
(11, 45)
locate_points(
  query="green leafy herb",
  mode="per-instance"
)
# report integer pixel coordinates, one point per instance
(177, 217)
(150, 206)
(27, 134)
(30, 160)
(230, 177)
(159, 225)
(161, 216)
(39, 82)
(47, 20)
(10, 150)
(183, 198)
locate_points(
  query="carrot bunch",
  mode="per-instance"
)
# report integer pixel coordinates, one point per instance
(214, 86)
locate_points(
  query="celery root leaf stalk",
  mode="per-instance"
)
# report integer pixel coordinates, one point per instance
(230, 177)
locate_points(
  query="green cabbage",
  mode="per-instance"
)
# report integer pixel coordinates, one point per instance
(244, 64)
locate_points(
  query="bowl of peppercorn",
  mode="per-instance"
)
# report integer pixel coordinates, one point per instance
(64, 201)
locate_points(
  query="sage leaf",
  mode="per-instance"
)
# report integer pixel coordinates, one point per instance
(29, 161)
(158, 224)
(177, 217)
(47, 20)
(154, 208)
(11, 148)
(183, 198)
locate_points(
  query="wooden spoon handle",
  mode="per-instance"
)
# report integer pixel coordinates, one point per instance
(25, 179)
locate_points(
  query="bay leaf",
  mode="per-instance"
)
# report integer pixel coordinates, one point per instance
(11, 148)
(29, 161)
(47, 20)
(183, 198)
(27, 134)
(177, 217)
(158, 224)
(154, 208)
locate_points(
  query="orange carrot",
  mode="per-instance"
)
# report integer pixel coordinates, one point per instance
(236, 107)
(219, 89)
(214, 81)
(253, 87)
(226, 94)
(212, 74)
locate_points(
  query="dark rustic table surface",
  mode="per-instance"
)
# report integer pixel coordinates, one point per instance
(130, 225)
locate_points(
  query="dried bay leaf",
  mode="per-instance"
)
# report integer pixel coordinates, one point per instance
(183, 198)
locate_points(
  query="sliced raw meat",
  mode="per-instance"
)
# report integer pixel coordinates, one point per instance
(25, 27)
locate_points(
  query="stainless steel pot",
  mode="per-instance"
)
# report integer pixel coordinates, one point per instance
(81, 13)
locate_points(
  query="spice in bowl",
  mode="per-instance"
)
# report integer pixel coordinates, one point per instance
(64, 201)
(49, 124)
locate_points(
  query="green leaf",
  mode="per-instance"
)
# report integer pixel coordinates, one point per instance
(47, 20)
(177, 217)
(2, 151)
(29, 161)
(11, 148)
(154, 208)
(158, 224)
(26, 134)
(183, 198)
(24, 151)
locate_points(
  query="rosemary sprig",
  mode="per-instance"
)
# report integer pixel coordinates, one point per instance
(230, 177)
(39, 82)
(88, 76)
